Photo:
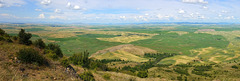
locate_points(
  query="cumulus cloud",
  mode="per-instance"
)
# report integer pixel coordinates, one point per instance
(230, 17)
(68, 5)
(205, 7)
(38, 9)
(76, 7)
(123, 17)
(46, 2)
(57, 11)
(223, 11)
(181, 11)
(195, 1)
(41, 16)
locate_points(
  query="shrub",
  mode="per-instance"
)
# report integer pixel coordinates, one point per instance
(107, 76)
(1, 38)
(64, 62)
(87, 76)
(56, 49)
(142, 74)
(24, 38)
(52, 56)
(39, 43)
(80, 59)
(29, 55)
(15, 38)
(2, 32)
(235, 67)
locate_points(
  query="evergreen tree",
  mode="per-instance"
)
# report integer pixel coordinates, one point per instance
(24, 38)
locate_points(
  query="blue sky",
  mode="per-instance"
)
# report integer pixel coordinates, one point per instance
(119, 11)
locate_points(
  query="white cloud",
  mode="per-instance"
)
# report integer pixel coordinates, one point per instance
(123, 17)
(38, 10)
(195, 1)
(57, 17)
(4, 15)
(68, 5)
(230, 17)
(181, 11)
(76, 7)
(57, 11)
(205, 7)
(223, 11)
(46, 2)
(8, 3)
(41, 16)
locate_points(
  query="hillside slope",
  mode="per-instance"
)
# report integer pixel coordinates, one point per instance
(13, 69)
(126, 52)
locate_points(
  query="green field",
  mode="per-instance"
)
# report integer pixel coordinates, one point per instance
(187, 40)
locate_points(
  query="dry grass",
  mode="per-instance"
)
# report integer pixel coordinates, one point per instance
(136, 50)
(125, 39)
(10, 68)
(125, 77)
(180, 59)
(121, 55)
(126, 52)
(121, 65)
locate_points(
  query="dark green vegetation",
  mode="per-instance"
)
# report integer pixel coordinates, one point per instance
(4, 36)
(24, 38)
(87, 76)
(29, 55)
(39, 43)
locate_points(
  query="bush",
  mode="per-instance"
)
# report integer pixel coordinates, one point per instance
(107, 76)
(39, 43)
(56, 49)
(87, 76)
(24, 38)
(52, 56)
(142, 74)
(64, 62)
(2, 32)
(235, 67)
(29, 55)
(80, 59)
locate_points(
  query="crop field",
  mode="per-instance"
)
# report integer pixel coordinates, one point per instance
(205, 43)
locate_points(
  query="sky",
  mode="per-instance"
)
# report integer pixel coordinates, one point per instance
(119, 11)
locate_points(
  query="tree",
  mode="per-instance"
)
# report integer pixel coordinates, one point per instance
(24, 38)
(56, 49)
(39, 43)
